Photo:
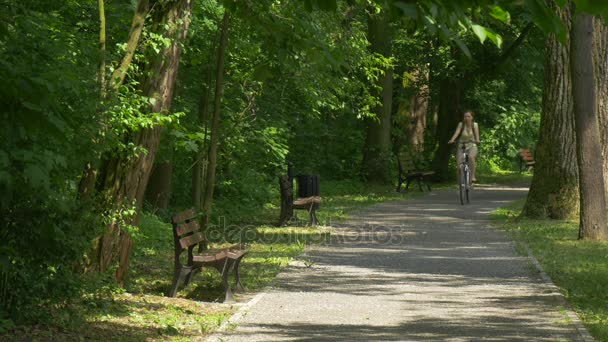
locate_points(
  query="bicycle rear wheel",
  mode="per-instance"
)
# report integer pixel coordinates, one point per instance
(462, 185)
(468, 188)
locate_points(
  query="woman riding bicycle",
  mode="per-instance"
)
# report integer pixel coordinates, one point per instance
(467, 133)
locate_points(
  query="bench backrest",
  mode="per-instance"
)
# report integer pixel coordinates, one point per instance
(186, 230)
(526, 155)
(408, 160)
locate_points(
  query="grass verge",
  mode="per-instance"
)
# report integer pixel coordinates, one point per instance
(578, 268)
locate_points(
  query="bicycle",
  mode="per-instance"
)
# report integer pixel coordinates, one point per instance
(464, 176)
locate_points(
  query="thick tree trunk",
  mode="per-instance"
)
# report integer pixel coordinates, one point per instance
(554, 191)
(451, 93)
(589, 152)
(215, 125)
(158, 191)
(600, 61)
(376, 152)
(286, 188)
(416, 112)
(126, 178)
(410, 118)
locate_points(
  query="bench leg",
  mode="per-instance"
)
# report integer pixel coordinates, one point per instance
(313, 215)
(228, 297)
(420, 184)
(428, 186)
(180, 274)
(238, 286)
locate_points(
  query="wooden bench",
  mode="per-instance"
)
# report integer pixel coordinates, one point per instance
(187, 236)
(408, 175)
(309, 198)
(526, 160)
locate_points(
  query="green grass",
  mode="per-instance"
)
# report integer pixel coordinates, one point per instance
(506, 177)
(578, 268)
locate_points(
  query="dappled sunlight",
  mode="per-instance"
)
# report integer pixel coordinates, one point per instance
(412, 270)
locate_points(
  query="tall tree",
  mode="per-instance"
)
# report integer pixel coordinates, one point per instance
(125, 178)
(376, 152)
(89, 178)
(215, 122)
(450, 111)
(592, 193)
(554, 190)
(600, 62)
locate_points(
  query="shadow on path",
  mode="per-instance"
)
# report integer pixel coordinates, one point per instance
(426, 269)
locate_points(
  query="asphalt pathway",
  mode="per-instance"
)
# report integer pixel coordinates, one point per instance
(420, 270)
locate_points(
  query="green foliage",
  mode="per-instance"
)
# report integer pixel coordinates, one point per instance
(47, 115)
(516, 129)
(300, 79)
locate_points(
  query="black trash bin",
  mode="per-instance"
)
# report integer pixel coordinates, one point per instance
(308, 185)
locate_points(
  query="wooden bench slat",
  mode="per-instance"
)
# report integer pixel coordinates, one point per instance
(191, 240)
(307, 200)
(187, 235)
(184, 216)
(185, 228)
(235, 254)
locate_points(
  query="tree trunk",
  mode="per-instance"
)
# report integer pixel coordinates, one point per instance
(200, 160)
(416, 111)
(600, 61)
(410, 118)
(554, 191)
(102, 48)
(137, 26)
(451, 93)
(126, 178)
(286, 187)
(158, 191)
(86, 187)
(376, 152)
(215, 125)
(589, 152)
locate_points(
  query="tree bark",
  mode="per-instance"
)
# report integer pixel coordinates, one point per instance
(158, 191)
(554, 190)
(376, 152)
(137, 27)
(451, 93)
(590, 165)
(200, 160)
(126, 178)
(215, 125)
(286, 188)
(86, 187)
(102, 48)
(600, 61)
(416, 110)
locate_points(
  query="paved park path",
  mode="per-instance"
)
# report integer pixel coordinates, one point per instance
(426, 269)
